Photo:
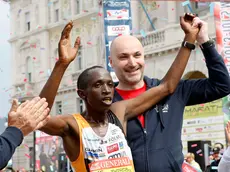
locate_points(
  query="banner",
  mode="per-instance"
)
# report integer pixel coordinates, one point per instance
(188, 168)
(203, 122)
(222, 22)
(117, 21)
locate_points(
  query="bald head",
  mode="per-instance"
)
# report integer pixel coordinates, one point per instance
(127, 60)
(125, 43)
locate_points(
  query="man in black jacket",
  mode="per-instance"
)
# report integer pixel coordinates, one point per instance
(155, 136)
(22, 120)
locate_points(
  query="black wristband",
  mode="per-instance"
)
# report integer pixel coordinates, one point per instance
(188, 45)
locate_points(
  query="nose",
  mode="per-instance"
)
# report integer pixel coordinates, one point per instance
(132, 61)
(106, 89)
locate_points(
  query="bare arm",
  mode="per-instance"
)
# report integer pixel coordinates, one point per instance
(138, 105)
(57, 124)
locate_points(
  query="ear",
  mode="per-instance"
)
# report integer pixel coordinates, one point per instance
(81, 94)
(111, 61)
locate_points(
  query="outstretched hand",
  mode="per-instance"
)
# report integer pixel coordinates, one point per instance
(66, 52)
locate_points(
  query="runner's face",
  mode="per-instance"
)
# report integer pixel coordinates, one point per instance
(100, 89)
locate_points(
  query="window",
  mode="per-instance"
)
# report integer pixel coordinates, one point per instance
(37, 14)
(49, 11)
(29, 68)
(77, 7)
(56, 11)
(56, 15)
(80, 105)
(27, 19)
(58, 107)
(79, 59)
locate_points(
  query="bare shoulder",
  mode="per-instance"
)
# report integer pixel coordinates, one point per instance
(71, 122)
(118, 108)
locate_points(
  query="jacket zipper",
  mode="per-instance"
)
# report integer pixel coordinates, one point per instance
(144, 129)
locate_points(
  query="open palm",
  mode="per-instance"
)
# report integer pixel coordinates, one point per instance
(66, 52)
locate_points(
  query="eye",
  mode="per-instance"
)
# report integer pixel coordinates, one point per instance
(97, 85)
(124, 57)
(110, 84)
(137, 54)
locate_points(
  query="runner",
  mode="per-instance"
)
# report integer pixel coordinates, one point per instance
(95, 140)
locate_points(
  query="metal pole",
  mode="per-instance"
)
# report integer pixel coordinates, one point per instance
(147, 14)
(34, 151)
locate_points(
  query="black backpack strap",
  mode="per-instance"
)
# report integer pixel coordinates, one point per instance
(112, 118)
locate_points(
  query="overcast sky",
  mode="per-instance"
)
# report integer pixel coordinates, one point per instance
(5, 82)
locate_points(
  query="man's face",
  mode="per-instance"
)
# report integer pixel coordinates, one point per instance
(99, 93)
(127, 60)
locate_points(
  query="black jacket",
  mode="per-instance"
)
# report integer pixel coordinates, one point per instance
(9, 141)
(158, 147)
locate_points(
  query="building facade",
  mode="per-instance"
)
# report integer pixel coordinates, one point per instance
(35, 32)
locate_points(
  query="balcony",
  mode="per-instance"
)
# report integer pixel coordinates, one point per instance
(24, 90)
(169, 37)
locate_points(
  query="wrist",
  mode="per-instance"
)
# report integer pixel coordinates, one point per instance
(191, 38)
(203, 40)
(61, 64)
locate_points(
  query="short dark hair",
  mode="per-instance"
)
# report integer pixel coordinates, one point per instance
(83, 78)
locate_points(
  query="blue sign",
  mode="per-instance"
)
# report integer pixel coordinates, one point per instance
(117, 21)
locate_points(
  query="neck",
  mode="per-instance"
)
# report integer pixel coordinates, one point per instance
(127, 86)
(93, 116)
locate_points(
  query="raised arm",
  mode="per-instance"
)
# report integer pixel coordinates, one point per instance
(138, 105)
(217, 85)
(67, 54)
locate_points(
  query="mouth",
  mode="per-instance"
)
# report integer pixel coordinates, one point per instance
(107, 100)
(134, 71)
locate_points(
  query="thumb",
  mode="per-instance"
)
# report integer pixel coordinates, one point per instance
(14, 105)
(182, 20)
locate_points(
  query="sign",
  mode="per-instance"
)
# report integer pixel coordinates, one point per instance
(222, 23)
(117, 22)
(188, 168)
(203, 122)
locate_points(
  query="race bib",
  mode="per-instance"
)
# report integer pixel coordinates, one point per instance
(123, 164)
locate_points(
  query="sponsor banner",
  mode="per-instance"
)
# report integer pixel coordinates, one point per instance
(118, 30)
(117, 14)
(222, 20)
(203, 121)
(116, 164)
(188, 168)
(117, 21)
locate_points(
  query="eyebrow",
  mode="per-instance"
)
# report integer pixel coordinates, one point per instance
(124, 54)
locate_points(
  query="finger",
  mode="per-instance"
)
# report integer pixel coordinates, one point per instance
(66, 30)
(77, 43)
(30, 104)
(40, 110)
(43, 119)
(182, 19)
(14, 105)
(37, 106)
(195, 22)
(23, 105)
